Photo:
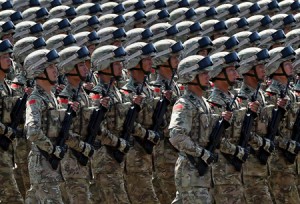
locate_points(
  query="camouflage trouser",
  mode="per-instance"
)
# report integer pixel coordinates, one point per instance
(257, 188)
(109, 188)
(77, 190)
(140, 188)
(193, 195)
(9, 192)
(21, 159)
(284, 187)
(230, 193)
(44, 193)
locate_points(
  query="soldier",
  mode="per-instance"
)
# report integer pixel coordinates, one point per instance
(164, 156)
(41, 129)
(191, 123)
(9, 192)
(283, 179)
(255, 175)
(138, 162)
(77, 177)
(227, 184)
(107, 62)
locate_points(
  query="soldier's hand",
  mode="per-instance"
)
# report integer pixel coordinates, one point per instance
(168, 94)
(123, 145)
(227, 115)
(293, 147)
(86, 149)
(75, 105)
(152, 136)
(254, 106)
(282, 102)
(268, 145)
(207, 157)
(104, 101)
(28, 90)
(138, 99)
(59, 151)
(88, 86)
(241, 153)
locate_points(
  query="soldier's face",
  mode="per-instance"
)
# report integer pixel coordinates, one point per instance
(260, 71)
(288, 67)
(232, 74)
(204, 79)
(91, 49)
(5, 61)
(83, 70)
(52, 72)
(174, 61)
(203, 52)
(147, 64)
(117, 66)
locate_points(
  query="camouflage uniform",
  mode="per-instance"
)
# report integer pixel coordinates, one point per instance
(77, 176)
(190, 126)
(42, 125)
(9, 192)
(283, 179)
(109, 185)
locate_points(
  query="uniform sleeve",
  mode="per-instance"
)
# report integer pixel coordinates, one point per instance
(107, 138)
(33, 125)
(180, 126)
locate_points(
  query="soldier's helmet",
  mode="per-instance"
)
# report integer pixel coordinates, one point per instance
(105, 55)
(108, 20)
(157, 16)
(296, 63)
(250, 57)
(26, 28)
(63, 11)
(225, 43)
(156, 4)
(138, 35)
(89, 9)
(279, 55)
(37, 14)
(74, 3)
(293, 38)
(134, 19)
(188, 29)
(205, 13)
(165, 49)
(213, 28)
(5, 5)
(284, 21)
(87, 38)
(110, 35)
(56, 26)
(84, 23)
(6, 28)
(11, 15)
(226, 11)
(61, 41)
(182, 14)
(271, 37)
(27, 45)
(268, 7)
(131, 5)
(248, 9)
(194, 45)
(259, 22)
(49, 4)
(108, 7)
(289, 6)
(138, 51)
(5, 47)
(71, 56)
(222, 60)
(21, 5)
(236, 25)
(164, 30)
(247, 39)
(36, 62)
(191, 66)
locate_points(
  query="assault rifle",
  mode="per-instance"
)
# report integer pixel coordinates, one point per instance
(129, 124)
(214, 141)
(277, 116)
(93, 127)
(158, 116)
(296, 137)
(246, 130)
(16, 115)
(64, 131)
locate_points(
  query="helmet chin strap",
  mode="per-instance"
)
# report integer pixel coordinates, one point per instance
(253, 75)
(141, 68)
(4, 70)
(230, 83)
(117, 78)
(47, 78)
(204, 88)
(281, 74)
(77, 74)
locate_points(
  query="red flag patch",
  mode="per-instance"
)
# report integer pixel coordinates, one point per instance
(178, 107)
(33, 101)
(63, 100)
(156, 90)
(14, 86)
(95, 96)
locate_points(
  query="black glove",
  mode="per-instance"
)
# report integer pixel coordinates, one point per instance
(152, 136)
(123, 145)
(59, 151)
(208, 157)
(242, 153)
(293, 147)
(268, 145)
(87, 149)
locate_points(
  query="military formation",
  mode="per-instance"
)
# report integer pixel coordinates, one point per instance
(149, 101)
